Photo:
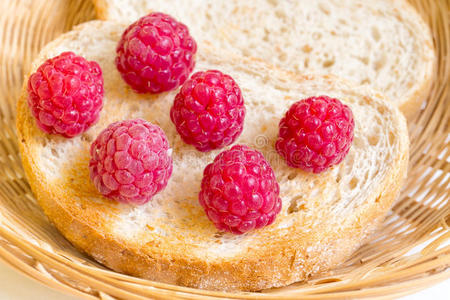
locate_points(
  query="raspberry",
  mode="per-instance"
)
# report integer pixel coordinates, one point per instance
(209, 110)
(239, 191)
(156, 54)
(65, 94)
(316, 133)
(130, 161)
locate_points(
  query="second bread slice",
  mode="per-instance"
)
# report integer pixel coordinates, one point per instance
(382, 43)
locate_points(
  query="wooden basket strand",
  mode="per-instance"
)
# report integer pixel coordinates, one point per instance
(384, 268)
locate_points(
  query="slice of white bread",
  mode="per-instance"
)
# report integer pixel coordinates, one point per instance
(383, 43)
(324, 218)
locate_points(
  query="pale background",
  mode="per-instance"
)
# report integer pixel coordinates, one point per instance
(15, 286)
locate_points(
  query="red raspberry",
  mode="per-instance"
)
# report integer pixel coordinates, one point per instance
(316, 133)
(130, 161)
(239, 191)
(156, 54)
(65, 94)
(209, 110)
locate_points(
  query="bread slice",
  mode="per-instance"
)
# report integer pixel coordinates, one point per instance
(382, 43)
(324, 218)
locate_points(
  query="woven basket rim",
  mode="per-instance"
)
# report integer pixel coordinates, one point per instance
(29, 244)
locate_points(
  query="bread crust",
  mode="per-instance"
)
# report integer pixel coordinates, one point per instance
(284, 260)
(227, 276)
(411, 105)
(101, 9)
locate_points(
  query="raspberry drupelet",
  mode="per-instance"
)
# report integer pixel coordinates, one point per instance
(130, 161)
(156, 54)
(65, 94)
(239, 191)
(209, 111)
(316, 133)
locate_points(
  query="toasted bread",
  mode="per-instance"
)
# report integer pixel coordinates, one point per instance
(383, 43)
(324, 219)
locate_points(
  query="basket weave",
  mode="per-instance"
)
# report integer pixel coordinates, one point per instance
(384, 268)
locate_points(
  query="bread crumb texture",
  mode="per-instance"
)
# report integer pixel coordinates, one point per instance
(384, 44)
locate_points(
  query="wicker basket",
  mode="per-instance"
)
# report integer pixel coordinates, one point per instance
(384, 268)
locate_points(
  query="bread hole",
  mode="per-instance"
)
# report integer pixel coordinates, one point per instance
(380, 63)
(338, 178)
(378, 121)
(44, 142)
(328, 63)
(307, 48)
(266, 35)
(208, 16)
(218, 234)
(316, 35)
(296, 205)
(342, 21)
(381, 109)
(373, 140)
(293, 208)
(292, 175)
(283, 29)
(270, 109)
(376, 34)
(54, 152)
(306, 62)
(391, 138)
(86, 138)
(282, 88)
(366, 176)
(351, 157)
(364, 60)
(272, 2)
(265, 79)
(388, 87)
(377, 199)
(280, 14)
(324, 8)
(365, 81)
(358, 142)
(353, 183)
